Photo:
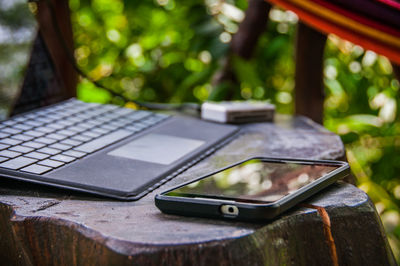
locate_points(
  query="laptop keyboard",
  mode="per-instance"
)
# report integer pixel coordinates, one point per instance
(41, 141)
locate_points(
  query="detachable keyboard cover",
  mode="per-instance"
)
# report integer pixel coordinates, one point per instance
(68, 144)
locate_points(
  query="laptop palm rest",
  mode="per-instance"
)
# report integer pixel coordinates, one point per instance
(124, 171)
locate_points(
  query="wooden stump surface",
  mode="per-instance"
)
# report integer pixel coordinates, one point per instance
(47, 226)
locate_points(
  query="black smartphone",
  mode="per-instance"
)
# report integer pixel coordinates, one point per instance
(256, 189)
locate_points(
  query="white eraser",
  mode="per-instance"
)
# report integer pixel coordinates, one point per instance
(237, 111)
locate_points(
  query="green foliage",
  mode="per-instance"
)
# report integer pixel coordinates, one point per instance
(147, 50)
(361, 106)
(169, 50)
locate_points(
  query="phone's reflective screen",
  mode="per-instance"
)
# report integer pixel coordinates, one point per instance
(255, 180)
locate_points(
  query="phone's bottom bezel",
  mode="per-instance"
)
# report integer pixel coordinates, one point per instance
(254, 212)
(207, 208)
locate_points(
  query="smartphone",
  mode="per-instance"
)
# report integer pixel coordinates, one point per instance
(256, 189)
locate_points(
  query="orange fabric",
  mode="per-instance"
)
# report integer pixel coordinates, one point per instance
(391, 3)
(313, 8)
(362, 19)
(327, 21)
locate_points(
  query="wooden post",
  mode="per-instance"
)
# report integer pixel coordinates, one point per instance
(63, 67)
(309, 95)
(396, 71)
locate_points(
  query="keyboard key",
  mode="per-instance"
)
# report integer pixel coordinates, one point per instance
(60, 146)
(116, 124)
(57, 116)
(103, 119)
(9, 141)
(21, 149)
(143, 124)
(42, 112)
(56, 136)
(56, 126)
(46, 140)
(49, 151)
(9, 130)
(101, 131)
(30, 116)
(109, 116)
(45, 119)
(36, 169)
(80, 138)
(76, 154)
(22, 137)
(83, 116)
(4, 135)
(2, 159)
(9, 154)
(91, 134)
(76, 129)
(66, 122)
(124, 120)
(71, 142)
(22, 127)
(109, 107)
(124, 111)
(34, 144)
(51, 163)
(94, 123)
(20, 119)
(34, 133)
(138, 115)
(96, 111)
(133, 129)
(9, 122)
(108, 127)
(3, 146)
(148, 122)
(45, 129)
(84, 125)
(103, 141)
(74, 119)
(63, 158)
(17, 163)
(137, 126)
(37, 155)
(66, 132)
(34, 123)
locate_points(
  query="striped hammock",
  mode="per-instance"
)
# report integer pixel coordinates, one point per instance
(372, 24)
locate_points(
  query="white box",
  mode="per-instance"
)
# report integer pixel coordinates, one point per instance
(237, 111)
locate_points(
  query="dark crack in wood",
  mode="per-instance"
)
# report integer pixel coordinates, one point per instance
(47, 205)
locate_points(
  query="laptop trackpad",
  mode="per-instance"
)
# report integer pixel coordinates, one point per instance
(157, 148)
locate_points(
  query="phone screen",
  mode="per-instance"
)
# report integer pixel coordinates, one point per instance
(255, 181)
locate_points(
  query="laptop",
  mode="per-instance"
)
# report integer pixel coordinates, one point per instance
(97, 148)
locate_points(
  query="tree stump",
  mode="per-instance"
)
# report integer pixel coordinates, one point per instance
(46, 226)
